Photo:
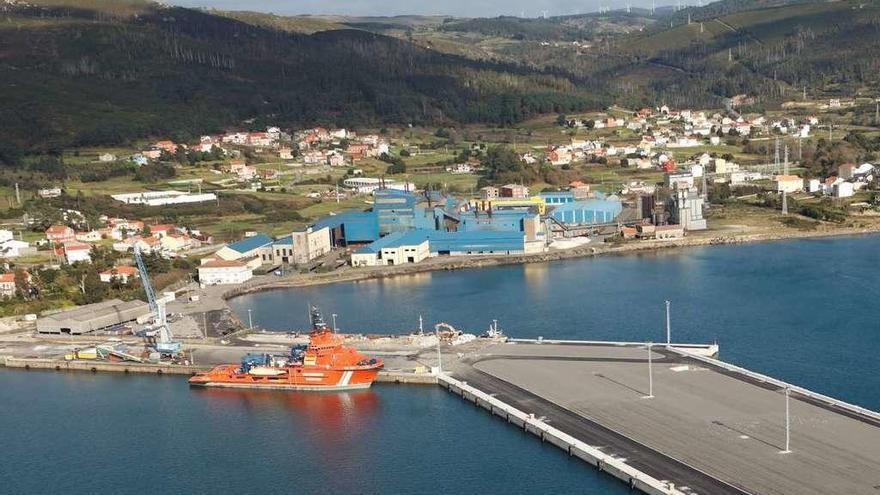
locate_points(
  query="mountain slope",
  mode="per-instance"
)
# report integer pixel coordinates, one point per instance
(76, 76)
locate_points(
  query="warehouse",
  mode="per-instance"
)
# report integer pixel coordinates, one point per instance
(476, 243)
(92, 317)
(350, 227)
(394, 249)
(590, 212)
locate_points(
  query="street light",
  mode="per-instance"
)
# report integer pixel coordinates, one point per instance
(334, 322)
(787, 423)
(668, 327)
(650, 373)
(250, 320)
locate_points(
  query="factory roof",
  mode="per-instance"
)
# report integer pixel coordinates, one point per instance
(250, 243)
(390, 240)
(98, 310)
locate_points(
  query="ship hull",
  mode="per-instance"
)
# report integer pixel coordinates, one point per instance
(296, 378)
(281, 386)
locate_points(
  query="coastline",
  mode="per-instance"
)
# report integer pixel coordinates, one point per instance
(271, 282)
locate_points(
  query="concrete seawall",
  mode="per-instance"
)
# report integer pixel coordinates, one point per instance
(390, 376)
(576, 448)
(103, 366)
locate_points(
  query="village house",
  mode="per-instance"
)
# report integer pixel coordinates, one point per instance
(52, 192)
(7, 285)
(488, 192)
(60, 233)
(90, 236)
(168, 146)
(285, 153)
(515, 191)
(787, 183)
(335, 160)
(76, 251)
(121, 273)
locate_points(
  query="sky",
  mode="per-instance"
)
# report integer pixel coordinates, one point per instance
(460, 8)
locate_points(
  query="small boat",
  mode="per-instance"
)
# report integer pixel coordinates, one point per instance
(325, 364)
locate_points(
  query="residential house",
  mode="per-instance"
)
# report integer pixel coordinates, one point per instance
(121, 273)
(60, 233)
(335, 160)
(10, 248)
(168, 146)
(7, 285)
(76, 251)
(787, 183)
(488, 192)
(161, 230)
(90, 236)
(285, 153)
(52, 192)
(843, 190)
(516, 191)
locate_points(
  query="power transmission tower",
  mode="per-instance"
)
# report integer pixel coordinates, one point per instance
(776, 157)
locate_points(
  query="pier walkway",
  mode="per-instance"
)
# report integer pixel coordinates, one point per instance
(708, 429)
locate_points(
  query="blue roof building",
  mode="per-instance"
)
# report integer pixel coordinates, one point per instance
(557, 197)
(395, 210)
(250, 244)
(350, 227)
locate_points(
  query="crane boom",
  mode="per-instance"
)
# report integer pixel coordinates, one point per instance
(145, 280)
(164, 342)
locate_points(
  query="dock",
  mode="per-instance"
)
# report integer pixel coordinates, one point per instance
(675, 420)
(687, 424)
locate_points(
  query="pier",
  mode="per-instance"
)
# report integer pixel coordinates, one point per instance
(683, 424)
(673, 420)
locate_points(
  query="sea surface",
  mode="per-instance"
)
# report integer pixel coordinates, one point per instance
(805, 311)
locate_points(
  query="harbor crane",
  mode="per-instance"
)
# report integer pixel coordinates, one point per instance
(159, 334)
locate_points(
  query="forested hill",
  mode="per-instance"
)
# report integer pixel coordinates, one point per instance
(105, 71)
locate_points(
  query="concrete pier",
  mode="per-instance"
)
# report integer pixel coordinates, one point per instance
(709, 428)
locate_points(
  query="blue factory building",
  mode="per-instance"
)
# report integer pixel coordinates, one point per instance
(395, 210)
(454, 243)
(557, 197)
(350, 227)
(589, 212)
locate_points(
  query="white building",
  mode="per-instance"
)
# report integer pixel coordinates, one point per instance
(77, 251)
(843, 190)
(394, 249)
(160, 198)
(223, 272)
(787, 183)
(367, 185)
(13, 248)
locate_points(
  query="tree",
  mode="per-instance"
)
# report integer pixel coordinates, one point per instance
(405, 153)
(561, 119)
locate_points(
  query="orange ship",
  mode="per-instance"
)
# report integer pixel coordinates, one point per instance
(324, 364)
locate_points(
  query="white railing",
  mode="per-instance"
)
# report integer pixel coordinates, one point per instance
(779, 383)
(606, 462)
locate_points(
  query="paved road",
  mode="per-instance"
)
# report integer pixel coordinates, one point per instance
(712, 431)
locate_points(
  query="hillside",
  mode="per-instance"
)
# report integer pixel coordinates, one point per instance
(104, 72)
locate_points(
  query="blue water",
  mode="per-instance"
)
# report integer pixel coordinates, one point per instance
(805, 311)
(78, 433)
